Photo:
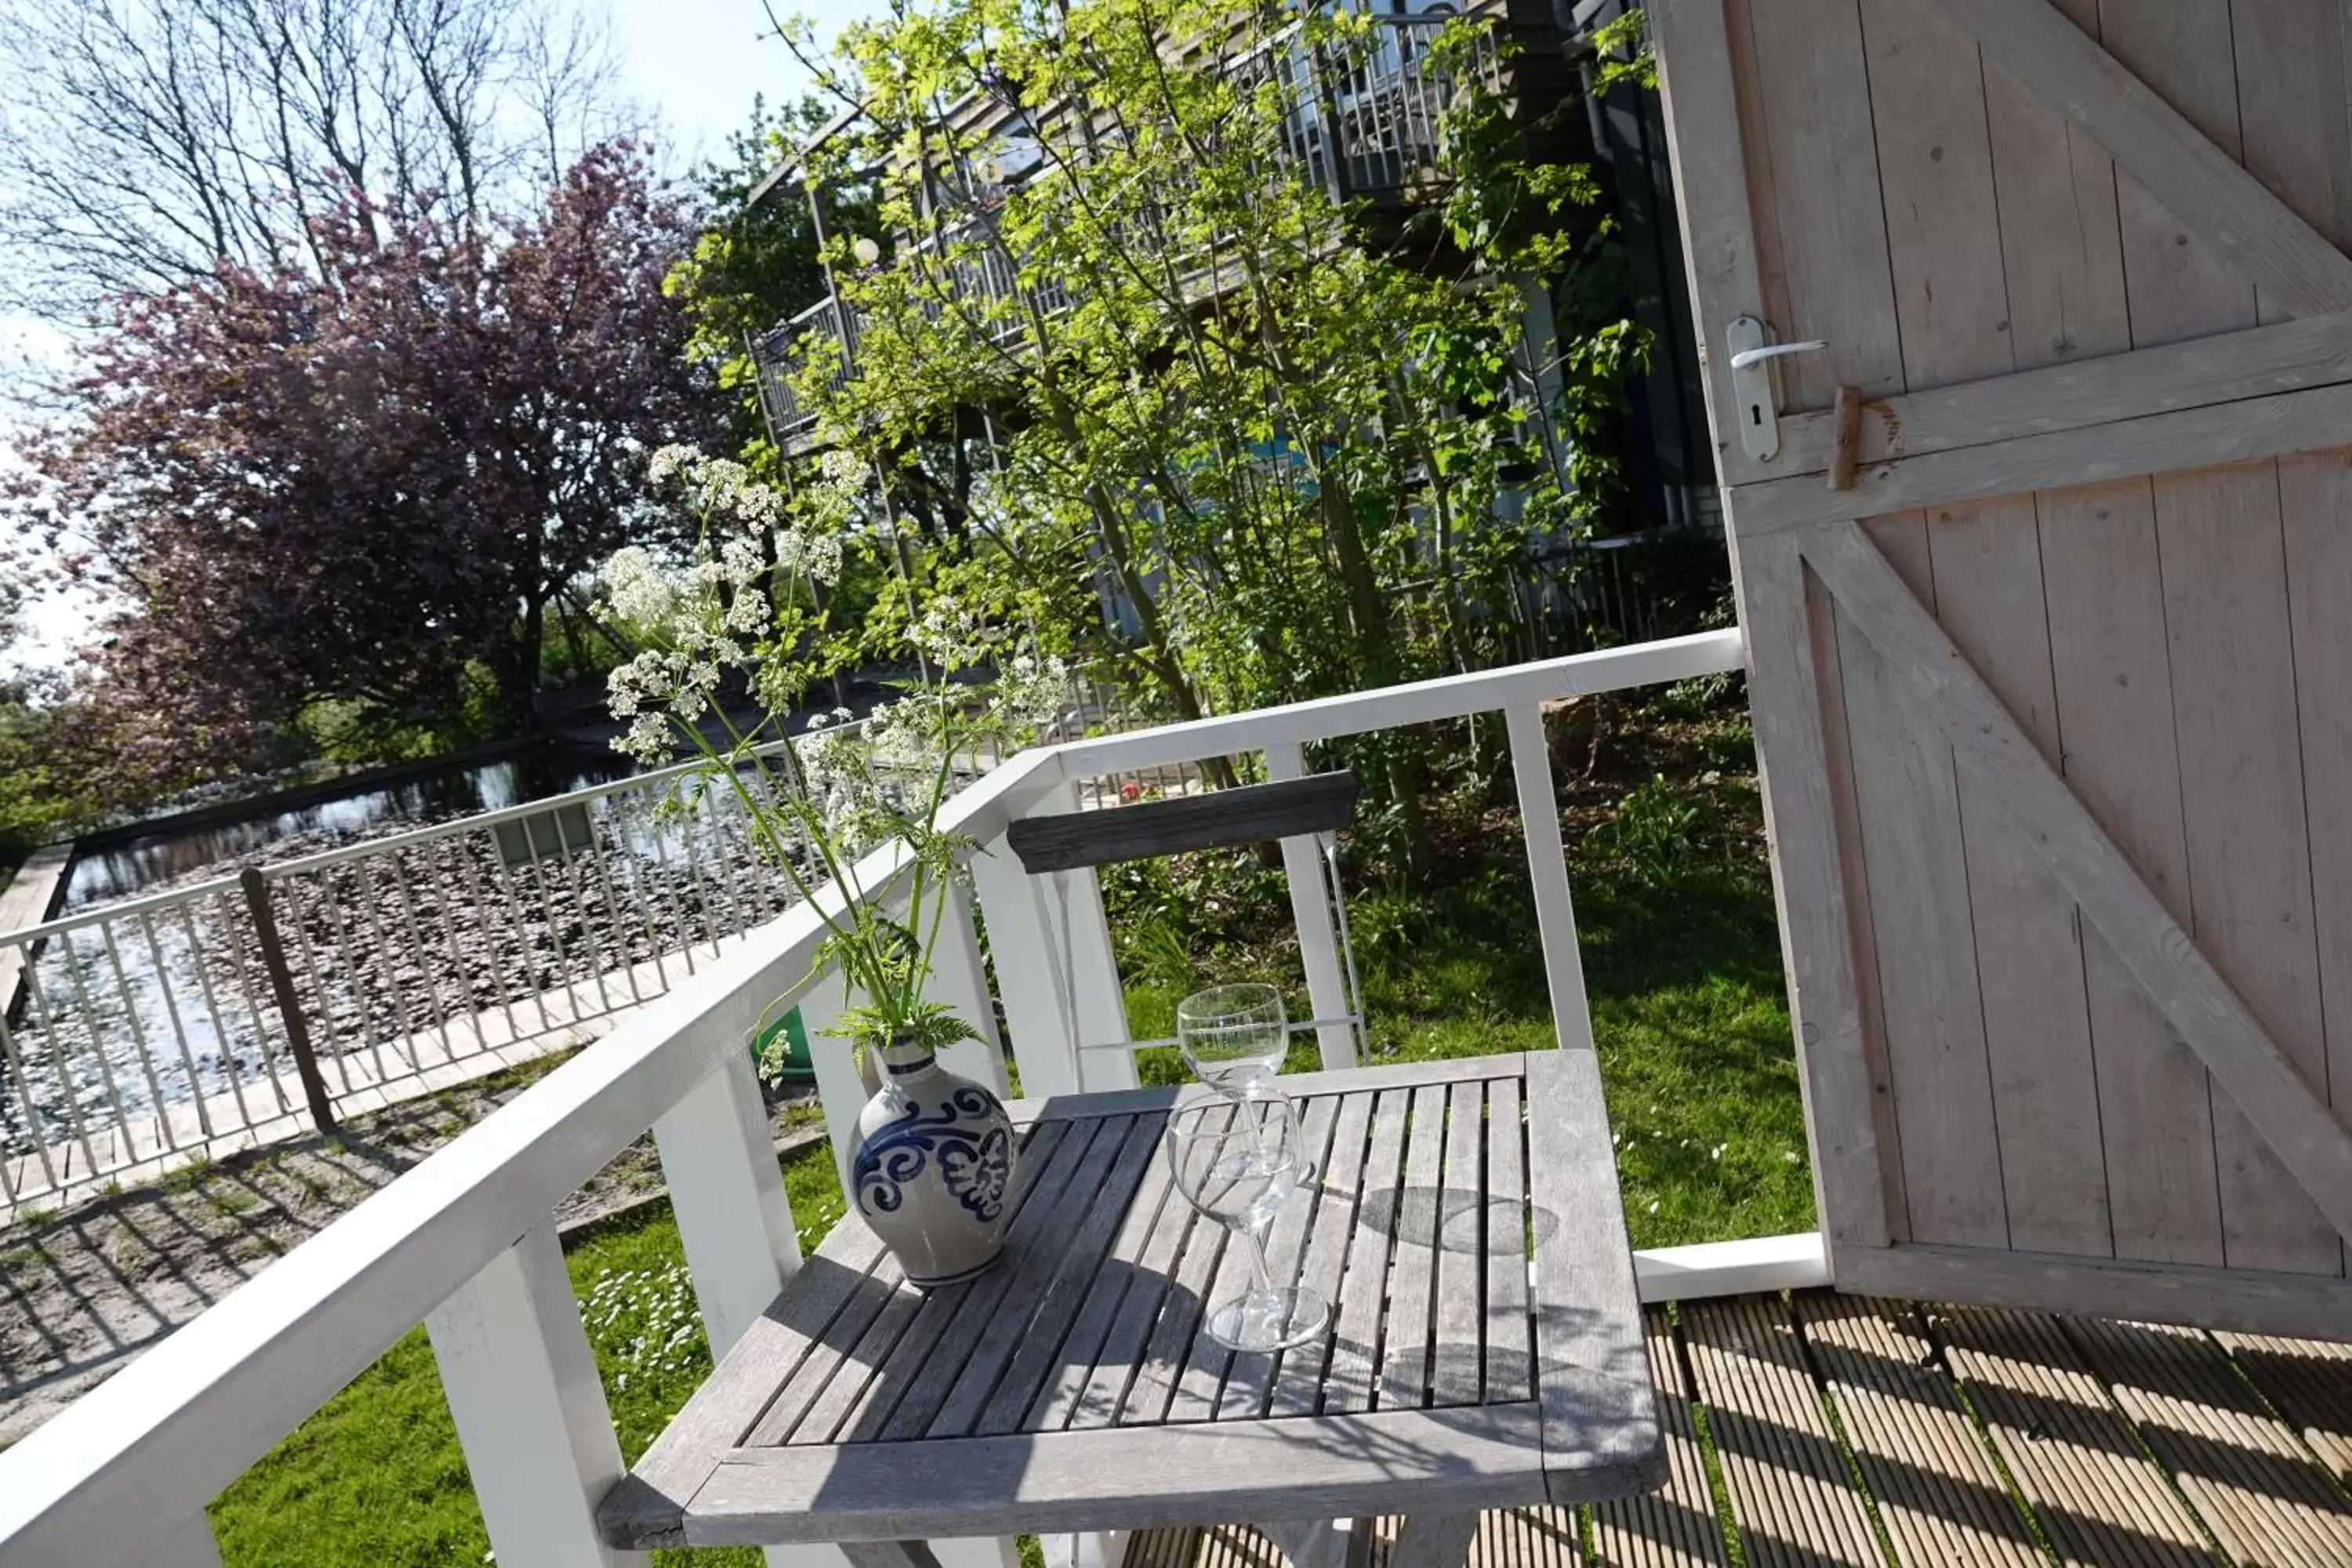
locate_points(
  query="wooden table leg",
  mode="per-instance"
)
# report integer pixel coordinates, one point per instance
(1434, 1541)
(889, 1555)
(1319, 1543)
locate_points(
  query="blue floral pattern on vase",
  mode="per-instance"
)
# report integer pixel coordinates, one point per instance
(975, 1162)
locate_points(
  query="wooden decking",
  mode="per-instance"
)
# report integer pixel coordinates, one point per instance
(1831, 1430)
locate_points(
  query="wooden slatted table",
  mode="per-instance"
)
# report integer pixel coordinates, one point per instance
(1487, 1349)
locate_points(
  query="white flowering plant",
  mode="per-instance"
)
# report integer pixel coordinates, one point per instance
(819, 800)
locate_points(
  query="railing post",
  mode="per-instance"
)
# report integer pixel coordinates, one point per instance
(960, 981)
(532, 1417)
(1547, 872)
(729, 1198)
(1310, 911)
(290, 1006)
(1037, 1012)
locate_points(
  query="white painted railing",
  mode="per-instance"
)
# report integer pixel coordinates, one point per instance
(464, 1243)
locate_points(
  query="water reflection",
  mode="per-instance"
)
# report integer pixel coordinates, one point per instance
(121, 869)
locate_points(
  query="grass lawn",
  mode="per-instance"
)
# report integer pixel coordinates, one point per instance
(1681, 960)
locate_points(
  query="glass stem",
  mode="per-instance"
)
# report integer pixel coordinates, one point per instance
(1258, 1269)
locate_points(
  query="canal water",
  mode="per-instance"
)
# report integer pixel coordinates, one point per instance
(127, 866)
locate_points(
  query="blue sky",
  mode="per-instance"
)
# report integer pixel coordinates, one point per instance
(699, 63)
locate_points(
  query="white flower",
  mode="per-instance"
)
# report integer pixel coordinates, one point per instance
(667, 461)
(640, 593)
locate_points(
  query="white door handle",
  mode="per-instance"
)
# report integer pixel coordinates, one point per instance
(1747, 357)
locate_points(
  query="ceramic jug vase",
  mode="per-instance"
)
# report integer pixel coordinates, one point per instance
(933, 1167)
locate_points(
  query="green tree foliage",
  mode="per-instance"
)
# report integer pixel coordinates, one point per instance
(1108, 337)
(755, 263)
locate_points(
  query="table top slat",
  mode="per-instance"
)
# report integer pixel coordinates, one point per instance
(1091, 1396)
(1403, 1379)
(1122, 1268)
(1298, 1382)
(1164, 1359)
(653, 1495)
(1248, 1374)
(1592, 1372)
(1354, 1352)
(1040, 1180)
(1031, 1247)
(1071, 1387)
(836, 1384)
(1027, 1352)
(1457, 1360)
(824, 1415)
(1509, 1334)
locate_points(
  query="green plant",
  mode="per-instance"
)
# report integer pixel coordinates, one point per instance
(1655, 833)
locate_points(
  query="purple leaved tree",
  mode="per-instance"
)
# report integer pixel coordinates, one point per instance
(381, 483)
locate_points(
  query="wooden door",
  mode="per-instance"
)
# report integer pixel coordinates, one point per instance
(2053, 684)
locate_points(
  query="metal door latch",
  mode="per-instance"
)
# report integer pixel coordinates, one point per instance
(1752, 354)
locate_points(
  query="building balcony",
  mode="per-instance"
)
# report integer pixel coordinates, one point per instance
(1366, 133)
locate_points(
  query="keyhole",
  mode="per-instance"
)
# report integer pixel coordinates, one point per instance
(1756, 415)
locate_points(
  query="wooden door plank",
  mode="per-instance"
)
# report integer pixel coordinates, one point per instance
(2112, 671)
(2061, 240)
(1824, 181)
(1819, 895)
(2292, 125)
(2315, 500)
(1935, 172)
(2153, 129)
(2076, 1463)
(1939, 1495)
(2240, 1468)
(2242, 809)
(2245, 1061)
(1702, 114)
(2182, 280)
(1790, 1495)
(2029, 955)
(1930, 997)
(2248, 1298)
(1674, 1526)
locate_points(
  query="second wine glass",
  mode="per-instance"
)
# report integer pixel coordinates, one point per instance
(1234, 1036)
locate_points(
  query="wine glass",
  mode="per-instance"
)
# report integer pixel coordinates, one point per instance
(1238, 1162)
(1234, 1036)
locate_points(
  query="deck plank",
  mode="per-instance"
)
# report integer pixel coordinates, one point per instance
(1792, 1498)
(2239, 1466)
(2094, 1491)
(1673, 1527)
(1939, 1494)
(2310, 1381)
